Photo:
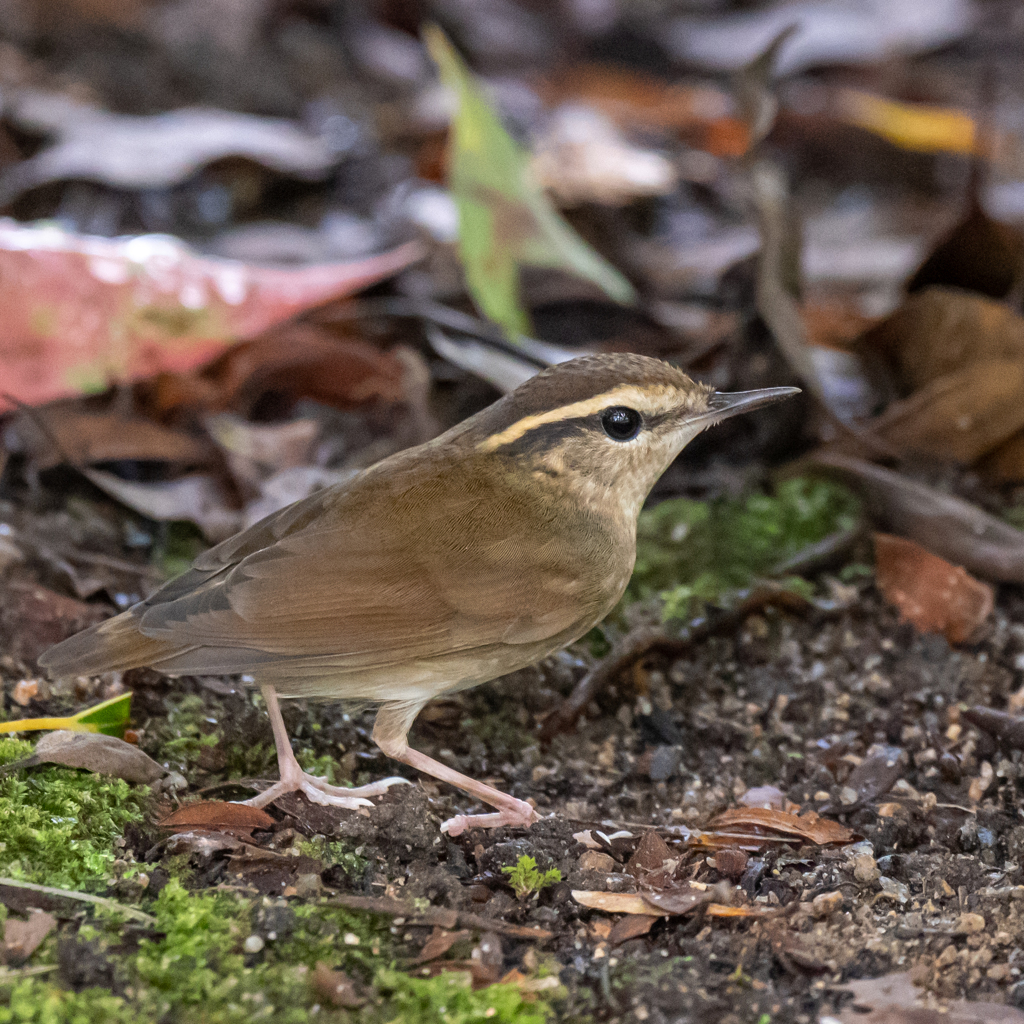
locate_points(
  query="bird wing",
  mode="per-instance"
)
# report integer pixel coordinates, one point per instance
(414, 573)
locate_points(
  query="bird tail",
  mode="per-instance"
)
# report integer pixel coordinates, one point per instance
(114, 645)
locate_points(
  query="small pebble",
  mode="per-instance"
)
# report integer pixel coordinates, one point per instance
(970, 924)
(253, 944)
(595, 860)
(848, 795)
(350, 939)
(865, 868)
(826, 903)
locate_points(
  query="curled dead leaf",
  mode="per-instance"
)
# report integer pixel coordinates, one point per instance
(961, 416)
(940, 330)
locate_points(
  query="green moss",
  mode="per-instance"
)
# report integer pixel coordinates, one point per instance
(198, 972)
(449, 998)
(335, 854)
(59, 824)
(690, 552)
(36, 1001)
(195, 971)
(179, 545)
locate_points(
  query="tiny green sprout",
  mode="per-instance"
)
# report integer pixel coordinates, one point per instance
(525, 878)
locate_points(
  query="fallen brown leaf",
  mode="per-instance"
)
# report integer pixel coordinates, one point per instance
(649, 856)
(217, 814)
(105, 755)
(929, 592)
(1008, 729)
(64, 432)
(940, 330)
(756, 823)
(979, 254)
(704, 116)
(616, 902)
(32, 618)
(632, 926)
(961, 416)
(438, 943)
(335, 987)
(682, 898)
(894, 999)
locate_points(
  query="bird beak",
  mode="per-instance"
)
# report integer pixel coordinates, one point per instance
(723, 405)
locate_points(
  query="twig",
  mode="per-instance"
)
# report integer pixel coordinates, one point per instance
(439, 916)
(83, 897)
(638, 643)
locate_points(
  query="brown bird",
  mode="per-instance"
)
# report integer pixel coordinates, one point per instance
(438, 568)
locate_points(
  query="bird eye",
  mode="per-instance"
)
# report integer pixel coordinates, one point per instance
(620, 423)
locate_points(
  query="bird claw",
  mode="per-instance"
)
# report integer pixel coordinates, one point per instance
(318, 791)
(520, 814)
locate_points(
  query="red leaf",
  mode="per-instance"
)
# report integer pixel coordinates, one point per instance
(81, 312)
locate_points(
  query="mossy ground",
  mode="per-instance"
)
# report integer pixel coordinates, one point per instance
(238, 934)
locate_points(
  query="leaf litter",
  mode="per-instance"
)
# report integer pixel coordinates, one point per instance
(821, 715)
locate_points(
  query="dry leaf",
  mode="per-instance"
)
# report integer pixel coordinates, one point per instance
(703, 115)
(95, 752)
(200, 498)
(875, 775)
(615, 902)
(33, 618)
(929, 592)
(65, 432)
(960, 416)
(1008, 729)
(650, 855)
(22, 938)
(131, 152)
(438, 943)
(979, 255)
(335, 987)
(632, 926)
(682, 898)
(894, 999)
(217, 814)
(758, 823)
(914, 126)
(940, 330)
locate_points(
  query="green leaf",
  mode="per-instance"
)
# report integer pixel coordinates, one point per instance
(109, 718)
(505, 219)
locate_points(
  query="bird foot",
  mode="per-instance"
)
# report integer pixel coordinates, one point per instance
(517, 813)
(318, 791)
